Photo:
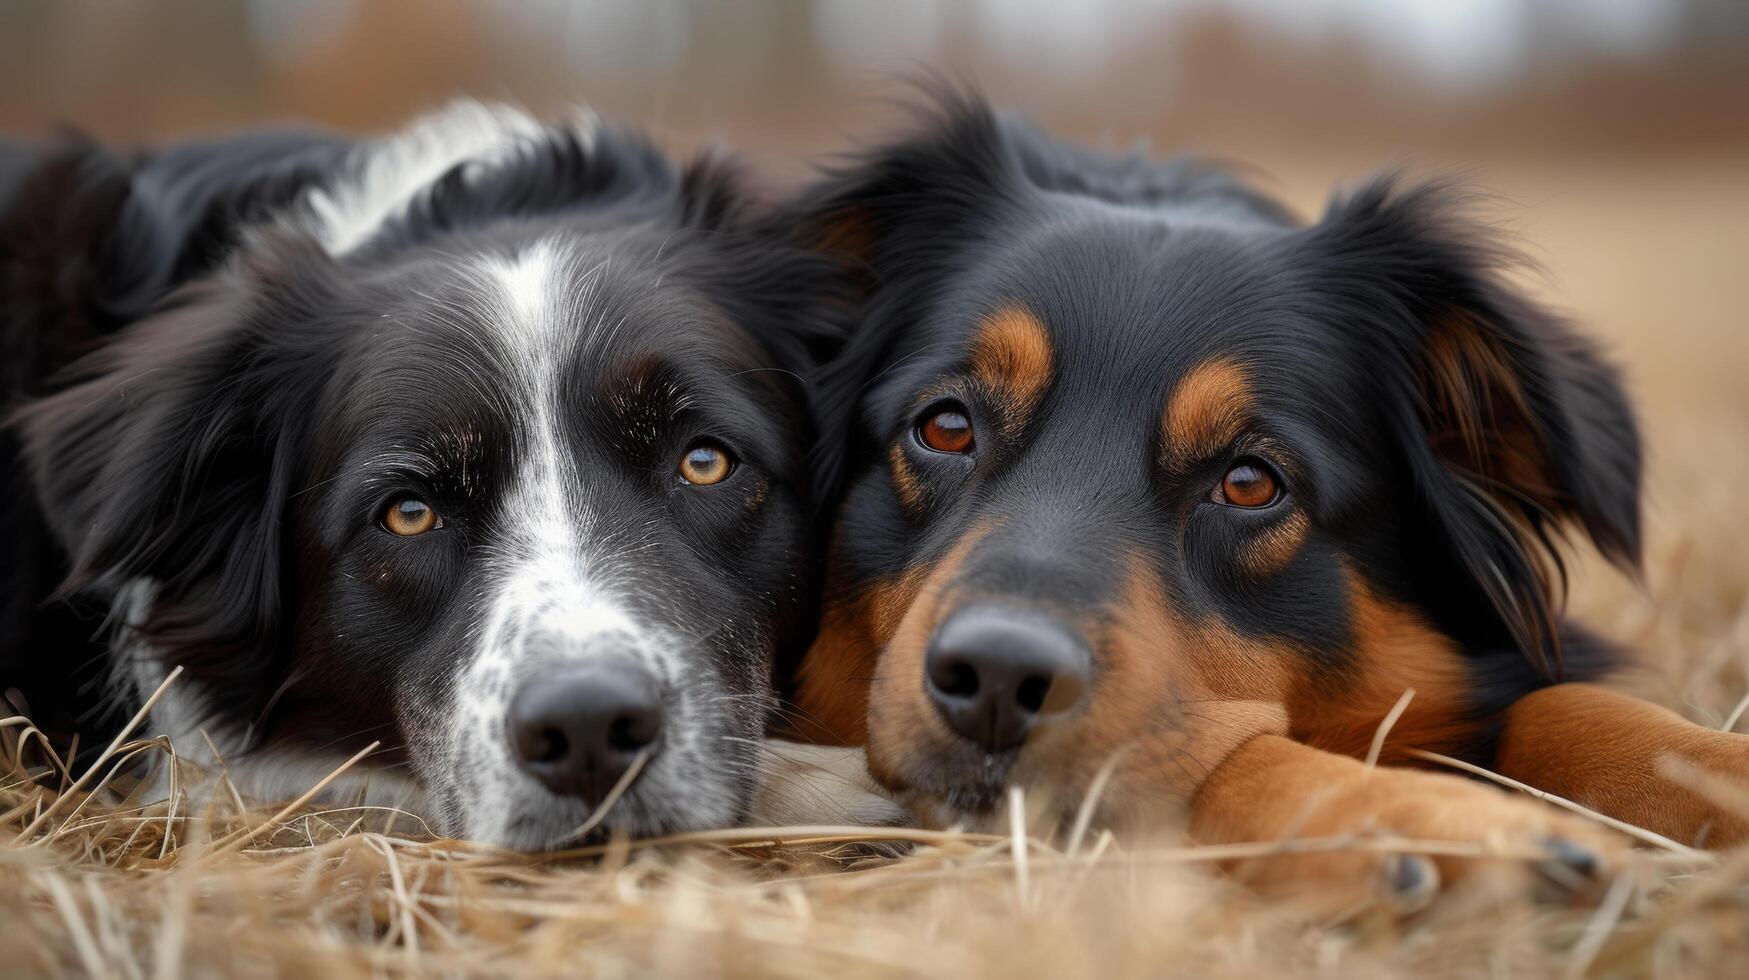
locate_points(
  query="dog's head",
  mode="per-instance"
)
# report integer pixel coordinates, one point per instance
(488, 445)
(1135, 467)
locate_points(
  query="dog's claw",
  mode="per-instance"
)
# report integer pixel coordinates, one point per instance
(1570, 864)
(1575, 856)
(1411, 882)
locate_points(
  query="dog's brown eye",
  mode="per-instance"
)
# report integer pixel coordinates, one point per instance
(1248, 485)
(410, 516)
(705, 463)
(946, 430)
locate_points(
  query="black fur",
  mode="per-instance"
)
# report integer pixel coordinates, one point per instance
(1396, 453)
(92, 239)
(220, 447)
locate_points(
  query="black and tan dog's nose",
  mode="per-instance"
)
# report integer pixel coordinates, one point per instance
(577, 729)
(994, 673)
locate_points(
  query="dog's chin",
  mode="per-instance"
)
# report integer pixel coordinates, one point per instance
(973, 791)
(536, 828)
(554, 824)
(959, 787)
(532, 819)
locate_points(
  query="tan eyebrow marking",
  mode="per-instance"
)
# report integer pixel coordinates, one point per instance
(1012, 356)
(1208, 409)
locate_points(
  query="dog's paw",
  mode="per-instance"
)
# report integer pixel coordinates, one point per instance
(1414, 837)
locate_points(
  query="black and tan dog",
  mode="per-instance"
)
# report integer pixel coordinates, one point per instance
(1132, 466)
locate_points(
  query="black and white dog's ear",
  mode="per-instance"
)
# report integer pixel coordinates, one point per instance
(94, 238)
(167, 458)
(1514, 425)
(790, 298)
(69, 229)
(191, 202)
(148, 461)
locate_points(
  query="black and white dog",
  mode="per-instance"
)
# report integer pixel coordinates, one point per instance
(484, 440)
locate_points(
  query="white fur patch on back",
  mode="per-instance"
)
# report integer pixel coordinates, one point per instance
(809, 785)
(387, 174)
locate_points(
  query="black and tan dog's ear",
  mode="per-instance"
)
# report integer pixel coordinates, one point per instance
(892, 220)
(887, 211)
(1515, 425)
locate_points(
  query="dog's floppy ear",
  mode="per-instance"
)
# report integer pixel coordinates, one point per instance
(892, 219)
(1515, 427)
(791, 298)
(169, 455)
(94, 237)
(891, 210)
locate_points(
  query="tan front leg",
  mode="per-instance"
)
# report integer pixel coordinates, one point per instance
(1600, 748)
(1273, 788)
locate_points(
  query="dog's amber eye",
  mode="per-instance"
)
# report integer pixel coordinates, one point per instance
(946, 430)
(410, 516)
(705, 463)
(1248, 485)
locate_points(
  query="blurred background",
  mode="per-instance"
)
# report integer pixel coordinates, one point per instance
(1615, 122)
(1614, 132)
(1448, 79)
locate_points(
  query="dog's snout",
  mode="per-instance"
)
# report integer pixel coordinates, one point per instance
(995, 673)
(578, 729)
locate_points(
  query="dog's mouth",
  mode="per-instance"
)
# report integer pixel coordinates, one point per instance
(540, 821)
(955, 783)
(977, 798)
(559, 828)
(527, 832)
(981, 788)
(535, 794)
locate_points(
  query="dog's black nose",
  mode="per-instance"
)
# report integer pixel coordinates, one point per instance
(994, 673)
(578, 728)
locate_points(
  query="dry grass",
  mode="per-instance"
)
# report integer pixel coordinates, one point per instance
(104, 883)
(109, 886)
